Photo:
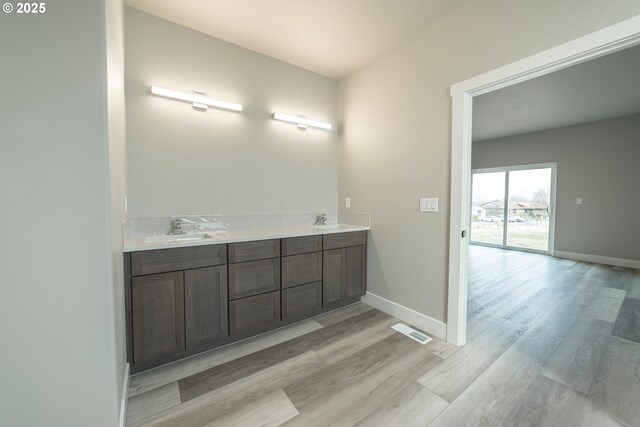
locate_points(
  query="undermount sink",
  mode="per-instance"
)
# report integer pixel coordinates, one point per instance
(332, 227)
(189, 237)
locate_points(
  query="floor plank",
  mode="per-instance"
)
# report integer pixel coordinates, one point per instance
(575, 361)
(607, 304)
(616, 386)
(627, 324)
(413, 406)
(547, 403)
(341, 314)
(153, 402)
(272, 410)
(337, 350)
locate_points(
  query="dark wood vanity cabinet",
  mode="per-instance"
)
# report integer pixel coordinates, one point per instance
(172, 307)
(344, 268)
(182, 301)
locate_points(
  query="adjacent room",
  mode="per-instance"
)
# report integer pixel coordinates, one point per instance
(336, 213)
(551, 255)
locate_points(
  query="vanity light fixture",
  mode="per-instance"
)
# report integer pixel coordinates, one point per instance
(199, 101)
(301, 121)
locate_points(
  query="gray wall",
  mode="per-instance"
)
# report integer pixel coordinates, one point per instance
(58, 363)
(396, 141)
(181, 161)
(598, 162)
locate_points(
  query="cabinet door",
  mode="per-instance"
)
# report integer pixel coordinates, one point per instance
(158, 316)
(355, 272)
(301, 269)
(205, 305)
(254, 314)
(333, 278)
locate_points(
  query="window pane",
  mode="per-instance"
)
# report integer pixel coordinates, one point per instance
(529, 207)
(487, 211)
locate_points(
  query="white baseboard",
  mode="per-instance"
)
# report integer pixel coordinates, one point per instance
(124, 397)
(419, 320)
(620, 262)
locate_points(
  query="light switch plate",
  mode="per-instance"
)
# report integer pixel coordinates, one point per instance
(347, 202)
(579, 201)
(429, 204)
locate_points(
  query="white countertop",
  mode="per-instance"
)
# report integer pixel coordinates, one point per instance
(139, 243)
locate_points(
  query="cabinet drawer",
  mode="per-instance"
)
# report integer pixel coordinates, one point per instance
(163, 260)
(342, 240)
(301, 269)
(254, 314)
(254, 277)
(301, 302)
(301, 245)
(251, 251)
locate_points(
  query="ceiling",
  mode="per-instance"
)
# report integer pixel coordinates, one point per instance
(599, 89)
(330, 37)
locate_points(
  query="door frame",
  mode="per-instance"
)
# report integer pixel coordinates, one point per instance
(607, 40)
(552, 202)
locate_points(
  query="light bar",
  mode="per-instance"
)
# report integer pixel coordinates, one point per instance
(199, 102)
(302, 122)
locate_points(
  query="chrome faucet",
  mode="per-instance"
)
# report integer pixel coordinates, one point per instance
(321, 219)
(177, 228)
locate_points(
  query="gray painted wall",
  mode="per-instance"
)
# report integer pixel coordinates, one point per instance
(181, 161)
(598, 162)
(58, 363)
(396, 141)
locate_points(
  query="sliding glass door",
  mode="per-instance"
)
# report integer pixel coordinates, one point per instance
(513, 207)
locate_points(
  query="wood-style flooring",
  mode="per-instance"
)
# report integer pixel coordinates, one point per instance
(551, 342)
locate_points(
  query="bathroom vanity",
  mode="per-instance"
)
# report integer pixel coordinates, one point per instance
(184, 297)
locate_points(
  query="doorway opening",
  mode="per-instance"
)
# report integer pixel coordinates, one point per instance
(608, 40)
(512, 207)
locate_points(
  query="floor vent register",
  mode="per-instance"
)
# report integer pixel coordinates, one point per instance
(411, 333)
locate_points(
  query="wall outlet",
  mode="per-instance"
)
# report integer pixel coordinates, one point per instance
(429, 204)
(347, 202)
(579, 201)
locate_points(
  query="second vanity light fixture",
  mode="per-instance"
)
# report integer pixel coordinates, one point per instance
(199, 101)
(301, 121)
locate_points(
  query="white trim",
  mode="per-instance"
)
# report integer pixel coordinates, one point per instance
(459, 220)
(618, 262)
(124, 397)
(607, 40)
(419, 320)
